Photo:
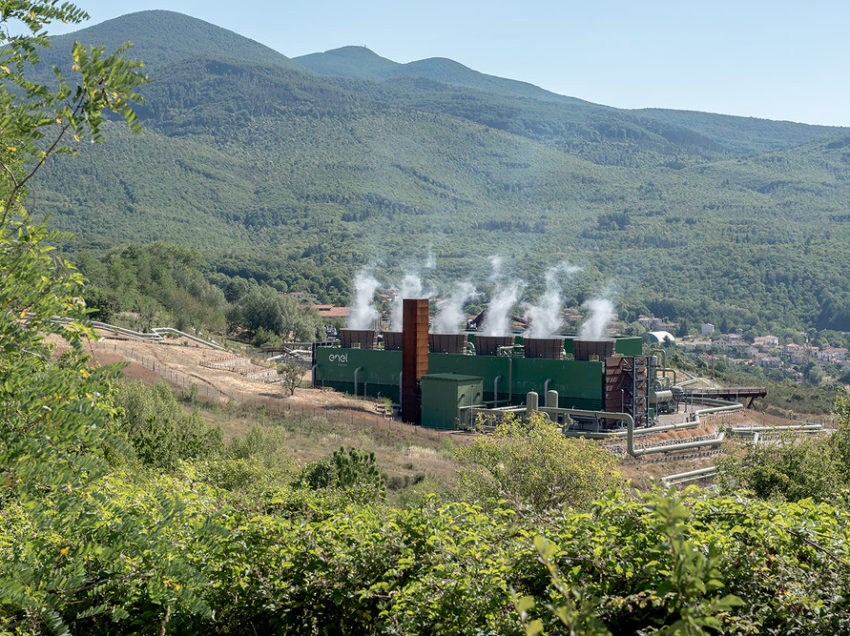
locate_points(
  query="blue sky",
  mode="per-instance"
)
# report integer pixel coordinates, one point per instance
(778, 60)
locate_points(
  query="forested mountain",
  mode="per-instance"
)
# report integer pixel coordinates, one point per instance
(738, 134)
(163, 37)
(286, 175)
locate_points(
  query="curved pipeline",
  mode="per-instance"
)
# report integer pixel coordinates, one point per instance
(630, 427)
(664, 369)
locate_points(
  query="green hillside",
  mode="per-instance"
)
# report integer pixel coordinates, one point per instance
(736, 134)
(161, 37)
(356, 62)
(298, 179)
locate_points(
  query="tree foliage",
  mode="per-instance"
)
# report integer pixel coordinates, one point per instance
(355, 472)
(787, 467)
(266, 308)
(532, 466)
(291, 374)
(159, 430)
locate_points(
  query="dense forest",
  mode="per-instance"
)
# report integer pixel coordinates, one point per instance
(297, 173)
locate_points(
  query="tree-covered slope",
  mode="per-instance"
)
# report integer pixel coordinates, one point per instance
(357, 62)
(742, 134)
(735, 134)
(290, 176)
(160, 37)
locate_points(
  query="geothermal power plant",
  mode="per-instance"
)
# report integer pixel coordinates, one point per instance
(442, 380)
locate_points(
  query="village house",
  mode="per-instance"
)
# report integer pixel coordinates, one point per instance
(332, 313)
(766, 341)
(834, 354)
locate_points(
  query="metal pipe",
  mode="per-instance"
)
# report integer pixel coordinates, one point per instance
(470, 348)
(638, 432)
(663, 353)
(546, 387)
(496, 390)
(709, 471)
(356, 371)
(510, 379)
(664, 369)
(630, 433)
(532, 405)
(746, 430)
(691, 379)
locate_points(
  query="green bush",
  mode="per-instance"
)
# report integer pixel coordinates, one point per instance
(533, 467)
(791, 468)
(354, 471)
(160, 431)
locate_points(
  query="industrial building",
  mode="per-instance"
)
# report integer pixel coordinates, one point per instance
(436, 378)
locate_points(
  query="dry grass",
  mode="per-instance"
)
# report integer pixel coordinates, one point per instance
(318, 421)
(401, 450)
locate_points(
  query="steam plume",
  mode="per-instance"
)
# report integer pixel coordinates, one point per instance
(431, 261)
(595, 325)
(496, 262)
(363, 312)
(545, 317)
(450, 316)
(497, 320)
(411, 287)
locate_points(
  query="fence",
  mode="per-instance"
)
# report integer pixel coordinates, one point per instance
(205, 391)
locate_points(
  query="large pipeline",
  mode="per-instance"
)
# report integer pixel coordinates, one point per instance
(691, 475)
(155, 334)
(749, 430)
(532, 405)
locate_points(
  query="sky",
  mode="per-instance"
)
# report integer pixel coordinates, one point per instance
(787, 60)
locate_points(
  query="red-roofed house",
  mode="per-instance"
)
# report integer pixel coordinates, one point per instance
(329, 311)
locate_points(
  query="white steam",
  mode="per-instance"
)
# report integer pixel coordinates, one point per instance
(450, 317)
(595, 325)
(431, 261)
(363, 311)
(497, 319)
(411, 287)
(545, 317)
(496, 262)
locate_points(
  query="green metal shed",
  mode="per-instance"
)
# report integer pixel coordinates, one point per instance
(444, 393)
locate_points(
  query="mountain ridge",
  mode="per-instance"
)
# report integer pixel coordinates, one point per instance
(161, 37)
(284, 175)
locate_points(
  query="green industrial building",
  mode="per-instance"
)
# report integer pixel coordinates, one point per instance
(466, 379)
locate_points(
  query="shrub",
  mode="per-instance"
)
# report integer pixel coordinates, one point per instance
(532, 466)
(159, 430)
(354, 471)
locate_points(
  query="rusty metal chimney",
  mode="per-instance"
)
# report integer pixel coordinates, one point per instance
(414, 357)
